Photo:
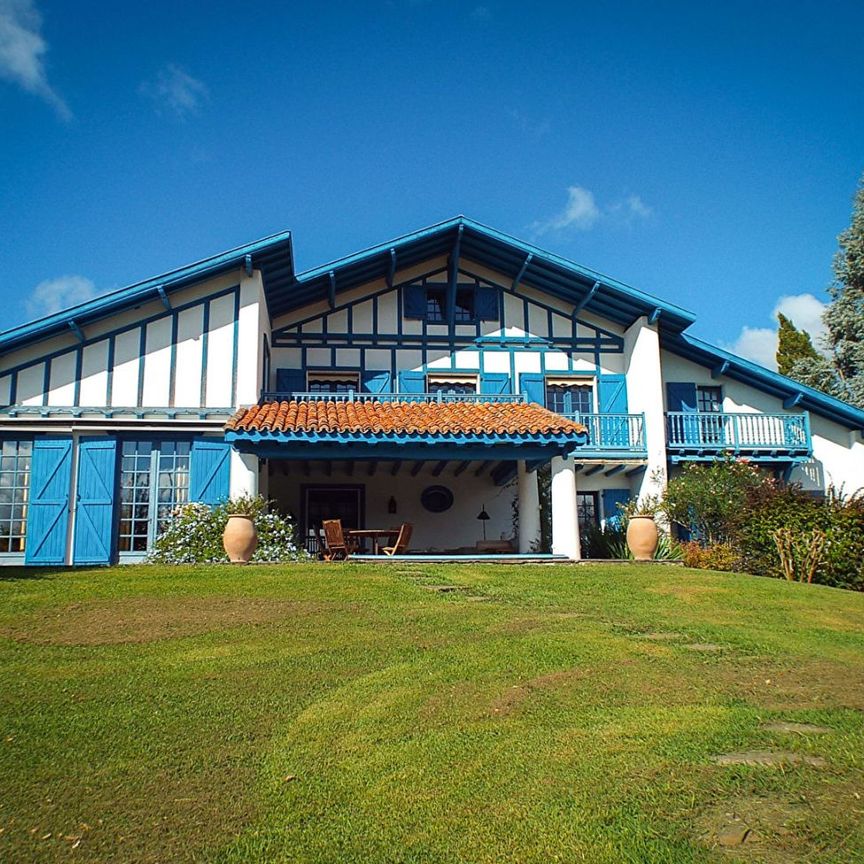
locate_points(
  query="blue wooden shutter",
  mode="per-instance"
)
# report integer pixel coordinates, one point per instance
(376, 382)
(681, 397)
(486, 303)
(209, 471)
(612, 396)
(48, 516)
(290, 380)
(532, 387)
(412, 382)
(611, 499)
(94, 511)
(414, 301)
(494, 382)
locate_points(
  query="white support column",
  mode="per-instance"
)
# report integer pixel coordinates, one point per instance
(645, 389)
(565, 516)
(529, 509)
(244, 474)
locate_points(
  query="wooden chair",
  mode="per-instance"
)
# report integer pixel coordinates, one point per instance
(402, 540)
(336, 548)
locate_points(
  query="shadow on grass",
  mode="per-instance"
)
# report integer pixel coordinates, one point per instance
(14, 574)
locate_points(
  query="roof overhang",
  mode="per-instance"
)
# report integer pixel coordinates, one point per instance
(516, 260)
(272, 255)
(793, 393)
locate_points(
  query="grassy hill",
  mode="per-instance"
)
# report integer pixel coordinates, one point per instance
(415, 713)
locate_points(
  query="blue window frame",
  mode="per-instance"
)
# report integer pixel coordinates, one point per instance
(15, 459)
(567, 398)
(154, 481)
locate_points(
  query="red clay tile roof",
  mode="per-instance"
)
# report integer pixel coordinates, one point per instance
(396, 420)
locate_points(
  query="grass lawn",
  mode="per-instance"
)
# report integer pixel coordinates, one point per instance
(354, 713)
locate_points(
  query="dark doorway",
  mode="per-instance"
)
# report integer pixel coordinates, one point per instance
(345, 503)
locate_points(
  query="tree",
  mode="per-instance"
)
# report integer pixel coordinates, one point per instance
(793, 346)
(842, 374)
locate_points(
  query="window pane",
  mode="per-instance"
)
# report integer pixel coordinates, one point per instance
(14, 490)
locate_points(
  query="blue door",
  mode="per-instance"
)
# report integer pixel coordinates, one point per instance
(48, 518)
(494, 382)
(412, 382)
(94, 510)
(532, 387)
(681, 399)
(209, 471)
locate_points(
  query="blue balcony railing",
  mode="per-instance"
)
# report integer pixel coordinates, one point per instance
(778, 435)
(613, 433)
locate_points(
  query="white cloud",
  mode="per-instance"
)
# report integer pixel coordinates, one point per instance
(175, 90)
(21, 52)
(583, 212)
(55, 295)
(637, 207)
(759, 344)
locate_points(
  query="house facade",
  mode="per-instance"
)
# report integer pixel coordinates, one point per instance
(425, 380)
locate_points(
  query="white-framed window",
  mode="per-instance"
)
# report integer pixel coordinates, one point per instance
(15, 457)
(570, 395)
(455, 384)
(154, 481)
(332, 382)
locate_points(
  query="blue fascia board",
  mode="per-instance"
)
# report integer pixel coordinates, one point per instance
(673, 316)
(138, 292)
(764, 379)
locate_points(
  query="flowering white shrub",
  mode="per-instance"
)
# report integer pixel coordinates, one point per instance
(194, 535)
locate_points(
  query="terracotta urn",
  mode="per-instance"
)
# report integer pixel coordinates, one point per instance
(642, 537)
(240, 538)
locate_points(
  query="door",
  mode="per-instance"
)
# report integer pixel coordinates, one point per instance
(94, 514)
(48, 518)
(330, 502)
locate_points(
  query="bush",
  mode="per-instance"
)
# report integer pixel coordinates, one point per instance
(194, 535)
(710, 500)
(774, 507)
(719, 556)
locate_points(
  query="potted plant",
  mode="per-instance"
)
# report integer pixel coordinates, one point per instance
(240, 537)
(642, 533)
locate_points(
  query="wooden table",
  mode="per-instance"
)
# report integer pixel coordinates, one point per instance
(374, 534)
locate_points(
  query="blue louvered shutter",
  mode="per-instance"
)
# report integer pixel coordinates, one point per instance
(611, 499)
(412, 382)
(376, 382)
(612, 396)
(414, 301)
(210, 471)
(494, 382)
(486, 303)
(532, 387)
(94, 509)
(681, 398)
(290, 380)
(48, 514)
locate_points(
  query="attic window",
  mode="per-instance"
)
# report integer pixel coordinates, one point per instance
(429, 302)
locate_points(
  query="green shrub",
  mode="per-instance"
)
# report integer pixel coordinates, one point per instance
(194, 535)
(719, 556)
(710, 500)
(774, 507)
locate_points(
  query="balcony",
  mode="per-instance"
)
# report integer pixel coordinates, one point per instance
(761, 437)
(356, 396)
(613, 436)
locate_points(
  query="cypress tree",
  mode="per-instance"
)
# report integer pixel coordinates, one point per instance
(793, 346)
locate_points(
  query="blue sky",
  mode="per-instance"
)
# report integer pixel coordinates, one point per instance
(705, 152)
